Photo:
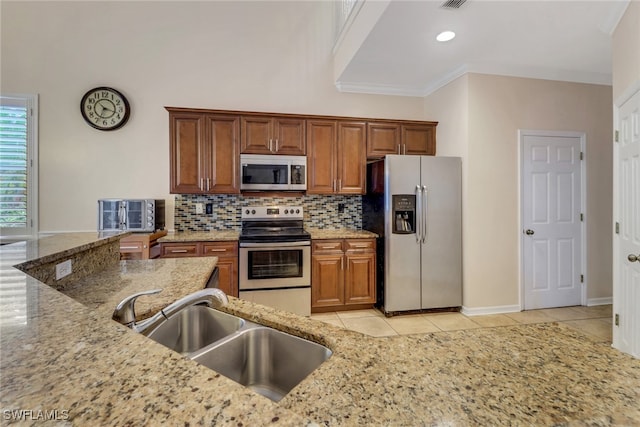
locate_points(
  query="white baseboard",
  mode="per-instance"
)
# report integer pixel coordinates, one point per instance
(479, 311)
(599, 301)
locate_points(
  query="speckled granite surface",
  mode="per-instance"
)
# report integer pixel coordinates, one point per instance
(342, 233)
(67, 356)
(200, 236)
(176, 277)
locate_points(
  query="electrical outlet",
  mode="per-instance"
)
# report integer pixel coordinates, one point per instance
(63, 269)
(199, 208)
(209, 208)
(341, 207)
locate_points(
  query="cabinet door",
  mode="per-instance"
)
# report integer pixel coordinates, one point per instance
(321, 156)
(419, 140)
(289, 137)
(327, 280)
(188, 163)
(360, 278)
(382, 139)
(228, 275)
(256, 135)
(351, 158)
(223, 147)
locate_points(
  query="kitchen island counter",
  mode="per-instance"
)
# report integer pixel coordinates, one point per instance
(68, 357)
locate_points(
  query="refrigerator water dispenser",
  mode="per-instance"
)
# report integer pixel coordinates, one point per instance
(404, 213)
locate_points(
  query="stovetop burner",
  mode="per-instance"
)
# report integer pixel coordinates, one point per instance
(273, 224)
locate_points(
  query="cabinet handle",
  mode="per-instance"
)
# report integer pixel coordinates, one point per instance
(328, 247)
(202, 183)
(216, 250)
(128, 247)
(404, 148)
(179, 251)
(339, 184)
(277, 145)
(398, 149)
(208, 184)
(363, 245)
(334, 185)
(270, 142)
(342, 263)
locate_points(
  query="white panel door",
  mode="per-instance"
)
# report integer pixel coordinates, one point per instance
(551, 205)
(626, 301)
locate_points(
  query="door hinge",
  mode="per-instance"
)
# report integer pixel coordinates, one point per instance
(617, 319)
(581, 217)
(581, 155)
(582, 278)
(617, 228)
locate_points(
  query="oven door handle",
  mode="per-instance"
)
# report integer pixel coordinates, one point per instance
(274, 244)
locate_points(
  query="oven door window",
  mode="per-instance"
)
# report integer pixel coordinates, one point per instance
(274, 264)
(264, 174)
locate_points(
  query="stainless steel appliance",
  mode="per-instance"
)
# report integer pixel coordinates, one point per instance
(273, 172)
(143, 215)
(414, 204)
(275, 258)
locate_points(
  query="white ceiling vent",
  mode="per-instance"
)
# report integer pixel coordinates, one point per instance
(452, 4)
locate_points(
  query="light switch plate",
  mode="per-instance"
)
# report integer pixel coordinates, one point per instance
(199, 208)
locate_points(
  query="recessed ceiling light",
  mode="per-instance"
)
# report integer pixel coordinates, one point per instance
(445, 36)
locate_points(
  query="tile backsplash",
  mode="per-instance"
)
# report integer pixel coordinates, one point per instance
(331, 212)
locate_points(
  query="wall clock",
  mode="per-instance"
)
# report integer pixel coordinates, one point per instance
(105, 108)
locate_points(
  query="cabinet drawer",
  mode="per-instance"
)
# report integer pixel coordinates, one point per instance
(326, 245)
(179, 250)
(360, 245)
(131, 246)
(220, 249)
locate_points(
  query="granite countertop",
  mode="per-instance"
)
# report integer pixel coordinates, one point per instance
(220, 235)
(341, 233)
(68, 356)
(176, 277)
(200, 236)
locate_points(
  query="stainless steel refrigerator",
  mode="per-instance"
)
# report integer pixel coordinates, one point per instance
(414, 204)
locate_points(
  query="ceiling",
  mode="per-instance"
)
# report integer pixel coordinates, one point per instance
(397, 52)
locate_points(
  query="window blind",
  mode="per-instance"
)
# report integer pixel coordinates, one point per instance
(13, 166)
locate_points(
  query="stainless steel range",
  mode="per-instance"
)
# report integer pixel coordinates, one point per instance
(275, 258)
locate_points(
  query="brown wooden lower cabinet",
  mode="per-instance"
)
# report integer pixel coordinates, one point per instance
(343, 274)
(226, 251)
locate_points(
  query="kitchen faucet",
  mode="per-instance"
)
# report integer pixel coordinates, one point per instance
(125, 312)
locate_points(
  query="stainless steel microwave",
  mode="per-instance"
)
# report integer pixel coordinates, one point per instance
(142, 215)
(273, 172)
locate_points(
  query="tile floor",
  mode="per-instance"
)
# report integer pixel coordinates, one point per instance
(595, 321)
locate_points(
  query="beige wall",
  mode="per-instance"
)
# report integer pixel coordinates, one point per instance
(262, 56)
(626, 50)
(496, 108)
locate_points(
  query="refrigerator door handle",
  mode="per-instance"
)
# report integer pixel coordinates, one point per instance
(122, 214)
(425, 209)
(419, 214)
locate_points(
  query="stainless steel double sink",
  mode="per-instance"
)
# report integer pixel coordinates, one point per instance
(266, 360)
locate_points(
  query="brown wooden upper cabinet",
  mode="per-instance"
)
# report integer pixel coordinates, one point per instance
(272, 135)
(400, 138)
(204, 153)
(336, 157)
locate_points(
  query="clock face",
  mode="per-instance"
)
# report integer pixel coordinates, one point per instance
(105, 108)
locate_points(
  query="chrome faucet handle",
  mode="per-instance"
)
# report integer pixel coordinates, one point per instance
(125, 311)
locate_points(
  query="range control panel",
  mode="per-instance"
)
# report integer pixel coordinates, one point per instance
(272, 212)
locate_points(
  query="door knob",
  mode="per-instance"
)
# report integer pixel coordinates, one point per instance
(529, 232)
(633, 258)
